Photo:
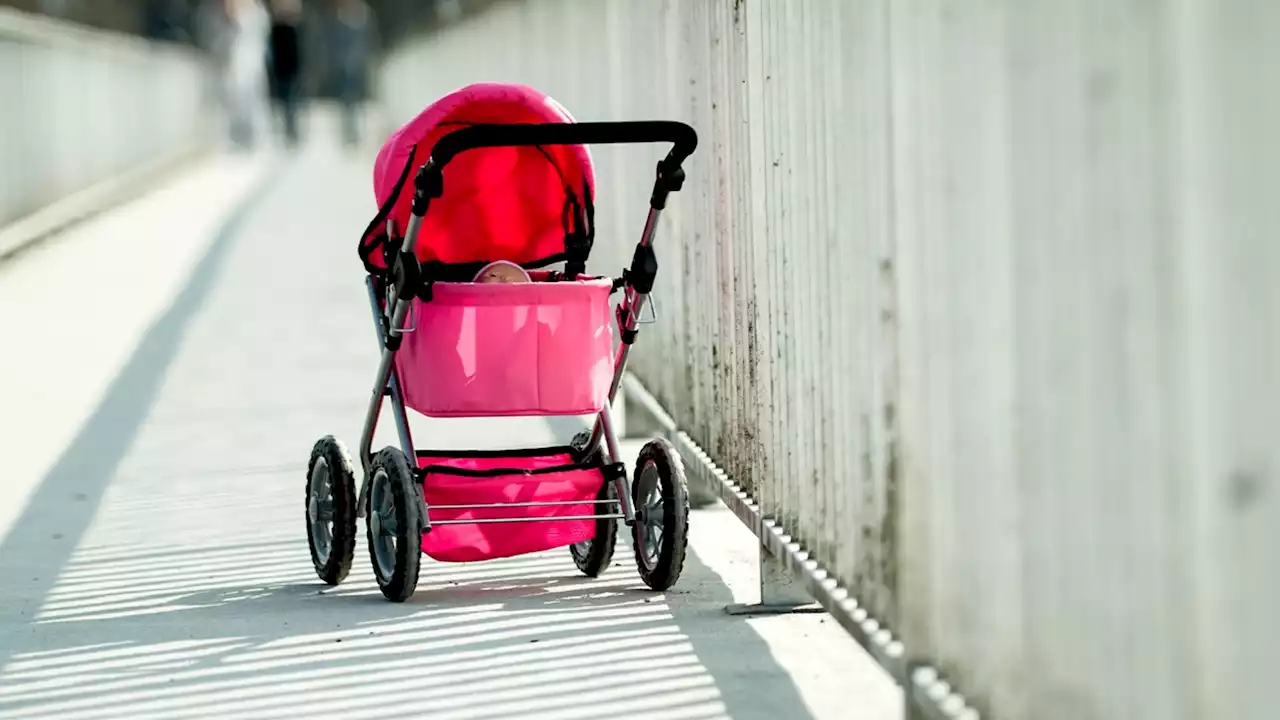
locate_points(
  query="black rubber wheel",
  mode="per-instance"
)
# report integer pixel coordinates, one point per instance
(593, 556)
(394, 525)
(331, 509)
(660, 496)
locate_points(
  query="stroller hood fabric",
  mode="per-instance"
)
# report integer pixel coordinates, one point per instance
(503, 203)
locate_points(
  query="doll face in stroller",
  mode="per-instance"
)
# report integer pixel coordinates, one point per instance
(502, 271)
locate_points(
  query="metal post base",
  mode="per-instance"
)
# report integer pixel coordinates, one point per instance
(781, 592)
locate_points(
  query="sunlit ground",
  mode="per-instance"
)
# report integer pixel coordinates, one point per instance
(243, 629)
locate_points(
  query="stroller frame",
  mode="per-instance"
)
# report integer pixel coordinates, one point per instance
(391, 297)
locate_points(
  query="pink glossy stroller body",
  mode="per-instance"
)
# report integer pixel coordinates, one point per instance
(497, 172)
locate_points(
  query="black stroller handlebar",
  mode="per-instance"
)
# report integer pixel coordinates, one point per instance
(682, 136)
(670, 177)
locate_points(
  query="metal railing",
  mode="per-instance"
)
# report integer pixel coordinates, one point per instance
(83, 108)
(971, 309)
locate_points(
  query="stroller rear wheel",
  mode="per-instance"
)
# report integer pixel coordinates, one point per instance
(394, 528)
(593, 556)
(660, 495)
(331, 510)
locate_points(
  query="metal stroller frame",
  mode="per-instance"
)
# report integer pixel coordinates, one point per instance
(405, 280)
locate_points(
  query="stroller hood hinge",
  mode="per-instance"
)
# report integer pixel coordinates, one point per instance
(579, 231)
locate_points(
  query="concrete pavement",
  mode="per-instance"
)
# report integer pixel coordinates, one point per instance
(153, 559)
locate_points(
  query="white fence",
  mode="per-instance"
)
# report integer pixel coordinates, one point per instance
(979, 299)
(80, 107)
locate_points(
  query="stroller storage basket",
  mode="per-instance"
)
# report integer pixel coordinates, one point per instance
(539, 348)
(483, 486)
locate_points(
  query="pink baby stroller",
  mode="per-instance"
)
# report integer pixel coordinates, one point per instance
(500, 173)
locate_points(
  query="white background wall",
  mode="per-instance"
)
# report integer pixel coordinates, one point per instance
(79, 106)
(980, 298)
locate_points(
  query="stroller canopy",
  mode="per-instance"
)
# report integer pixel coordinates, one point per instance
(503, 203)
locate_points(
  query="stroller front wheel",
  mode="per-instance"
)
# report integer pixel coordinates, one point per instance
(331, 510)
(593, 556)
(394, 528)
(660, 495)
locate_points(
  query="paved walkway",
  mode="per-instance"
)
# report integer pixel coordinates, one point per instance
(153, 558)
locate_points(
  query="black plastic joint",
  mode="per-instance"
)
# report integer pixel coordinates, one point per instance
(430, 181)
(430, 185)
(644, 269)
(670, 178)
(406, 274)
(658, 201)
(614, 471)
(629, 337)
(393, 342)
(420, 204)
(672, 174)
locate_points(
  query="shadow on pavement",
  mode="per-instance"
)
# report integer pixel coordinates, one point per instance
(183, 635)
(41, 542)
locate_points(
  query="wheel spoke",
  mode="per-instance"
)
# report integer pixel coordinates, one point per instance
(655, 512)
(648, 495)
(388, 524)
(383, 524)
(320, 509)
(656, 523)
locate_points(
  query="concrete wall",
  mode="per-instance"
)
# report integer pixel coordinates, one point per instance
(80, 107)
(980, 299)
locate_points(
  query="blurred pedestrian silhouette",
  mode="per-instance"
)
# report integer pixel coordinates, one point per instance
(284, 64)
(167, 20)
(351, 44)
(235, 34)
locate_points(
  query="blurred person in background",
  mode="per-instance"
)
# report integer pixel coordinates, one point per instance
(54, 7)
(166, 20)
(235, 33)
(285, 64)
(351, 46)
